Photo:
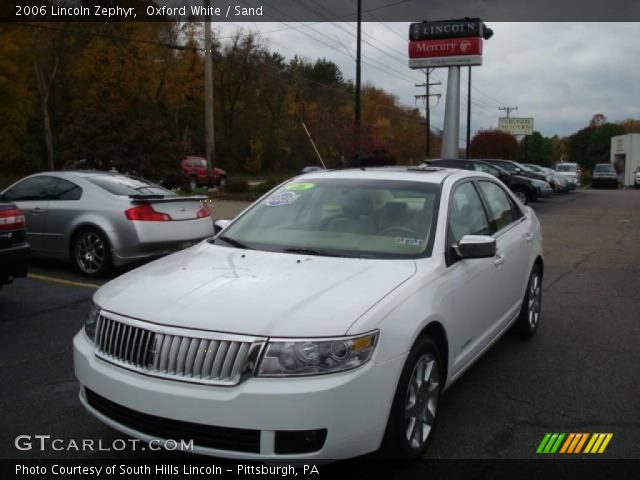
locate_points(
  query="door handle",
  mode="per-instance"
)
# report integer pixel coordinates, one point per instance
(529, 237)
(499, 259)
(36, 211)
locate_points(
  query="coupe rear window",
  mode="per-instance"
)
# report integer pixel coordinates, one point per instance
(566, 168)
(124, 185)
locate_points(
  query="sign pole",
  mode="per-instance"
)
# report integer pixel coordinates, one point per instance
(451, 131)
(468, 114)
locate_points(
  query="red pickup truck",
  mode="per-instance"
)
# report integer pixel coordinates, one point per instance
(196, 169)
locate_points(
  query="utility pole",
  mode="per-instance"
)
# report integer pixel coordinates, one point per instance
(508, 109)
(427, 96)
(208, 94)
(358, 79)
(468, 113)
(451, 131)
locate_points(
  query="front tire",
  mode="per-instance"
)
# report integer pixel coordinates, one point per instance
(415, 404)
(90, 253)
(531, 310)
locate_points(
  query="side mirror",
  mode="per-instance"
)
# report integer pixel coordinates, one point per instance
(476, 246)
(220, 225)
(518, 170)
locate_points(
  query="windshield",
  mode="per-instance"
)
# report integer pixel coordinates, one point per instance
(566, 168)
(604, 168)
(341, 217)
(126, 186)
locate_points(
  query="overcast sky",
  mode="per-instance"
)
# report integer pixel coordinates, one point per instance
(558, 73)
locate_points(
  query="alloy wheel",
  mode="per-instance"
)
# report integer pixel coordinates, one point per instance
(90, 252)
(535, 300)
(422, 401)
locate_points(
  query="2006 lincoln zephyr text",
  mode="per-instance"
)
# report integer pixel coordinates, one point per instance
(322, 323)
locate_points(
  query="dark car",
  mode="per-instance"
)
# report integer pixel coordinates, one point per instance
(14, 249)
(604, 175)
(196, 169)
(310, 169)
(522, 187)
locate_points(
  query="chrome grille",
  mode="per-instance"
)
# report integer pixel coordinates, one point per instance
(175, 353)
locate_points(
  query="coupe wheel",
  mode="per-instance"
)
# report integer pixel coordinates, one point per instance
(90, 253)
(531, 311)
(415, 405)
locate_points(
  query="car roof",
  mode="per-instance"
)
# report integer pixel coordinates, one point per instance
(425, 174)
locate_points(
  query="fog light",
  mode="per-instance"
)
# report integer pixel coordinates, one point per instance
(301, 441)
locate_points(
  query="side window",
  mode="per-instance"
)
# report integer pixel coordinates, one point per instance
(65, 190)
(500, 209)
(32, 189)
(467, 215)
(482, 167)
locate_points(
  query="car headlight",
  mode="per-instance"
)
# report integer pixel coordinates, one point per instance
(91, 321)
(290, 357)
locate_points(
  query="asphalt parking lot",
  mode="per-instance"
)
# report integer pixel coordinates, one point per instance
(579, 374)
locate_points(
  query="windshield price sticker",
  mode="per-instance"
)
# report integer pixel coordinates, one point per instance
(281, 199)
(297, 187)
(408, 241)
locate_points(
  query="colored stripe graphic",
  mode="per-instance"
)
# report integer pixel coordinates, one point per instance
(572, 443)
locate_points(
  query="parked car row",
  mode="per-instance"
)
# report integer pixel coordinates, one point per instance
(526, 184)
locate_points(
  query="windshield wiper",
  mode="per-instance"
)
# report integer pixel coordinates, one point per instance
(311, 251)
(233, 242)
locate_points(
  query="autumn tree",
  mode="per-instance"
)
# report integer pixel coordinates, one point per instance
(494, 144)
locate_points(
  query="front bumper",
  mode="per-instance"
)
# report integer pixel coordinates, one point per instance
(352, 407)
(13, 262)
(604, 182)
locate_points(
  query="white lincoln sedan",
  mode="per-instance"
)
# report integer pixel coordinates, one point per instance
(324, 322)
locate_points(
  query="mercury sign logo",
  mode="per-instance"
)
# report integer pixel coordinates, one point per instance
(464, 46)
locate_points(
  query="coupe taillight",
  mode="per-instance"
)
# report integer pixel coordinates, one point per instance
(203, 212)
(11, 219)
(146, 213)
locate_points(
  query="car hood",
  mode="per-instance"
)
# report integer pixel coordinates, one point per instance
(252, 292)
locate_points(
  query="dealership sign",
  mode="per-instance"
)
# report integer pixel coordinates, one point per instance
(445, 48)
(471, 27)
(434, 62)
(516, 125)
(447, 43)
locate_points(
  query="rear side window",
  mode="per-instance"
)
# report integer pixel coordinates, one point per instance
(65, 190)
(483, 167)
(124, 185)
(500, 208)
